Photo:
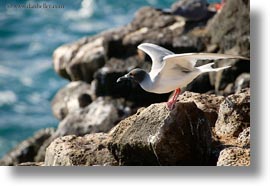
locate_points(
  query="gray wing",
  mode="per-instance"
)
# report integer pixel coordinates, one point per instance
(189, 60)
(156, 53)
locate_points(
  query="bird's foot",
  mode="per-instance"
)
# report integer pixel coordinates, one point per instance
(170, 105)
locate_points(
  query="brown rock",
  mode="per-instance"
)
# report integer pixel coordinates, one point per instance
(155, 136)
(88, 150)
(234, 156)
(244, 138)
(234, 115)
(208, 103)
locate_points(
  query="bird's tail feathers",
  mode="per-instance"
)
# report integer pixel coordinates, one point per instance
(208, 68)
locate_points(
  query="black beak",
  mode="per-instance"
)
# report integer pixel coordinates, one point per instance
(123, 78)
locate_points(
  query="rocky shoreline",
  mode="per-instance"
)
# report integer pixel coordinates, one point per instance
(104, 123)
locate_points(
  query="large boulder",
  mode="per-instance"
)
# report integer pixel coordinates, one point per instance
(155, 136)
(88, 150)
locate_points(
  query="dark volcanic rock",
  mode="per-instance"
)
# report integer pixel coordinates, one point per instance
(88, 150)
(155, 136)
(193, 10)
(231, 27)
(229, 30)
(27, 149)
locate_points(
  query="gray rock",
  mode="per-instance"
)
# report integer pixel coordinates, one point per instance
(229, 30)
(231, 27)
(88, 150)
(67, 99)
(100, 116)
(79, 61)
(241, 82)
(63, 55)
(234, 115)
(155, 136)
(27, 149)
(234, 156)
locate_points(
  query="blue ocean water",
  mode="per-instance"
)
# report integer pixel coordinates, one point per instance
(28, 37)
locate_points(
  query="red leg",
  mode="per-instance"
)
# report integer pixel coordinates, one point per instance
(171, 103)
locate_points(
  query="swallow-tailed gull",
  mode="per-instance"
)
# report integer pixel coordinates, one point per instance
(171, 71)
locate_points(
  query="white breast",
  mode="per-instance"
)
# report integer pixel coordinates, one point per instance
(161, 84)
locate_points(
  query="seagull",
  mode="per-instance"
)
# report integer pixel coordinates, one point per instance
(171, 71)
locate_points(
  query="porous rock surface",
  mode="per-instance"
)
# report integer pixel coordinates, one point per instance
(88, 150)
(234, 115)
(234, 156)
(184, 136)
